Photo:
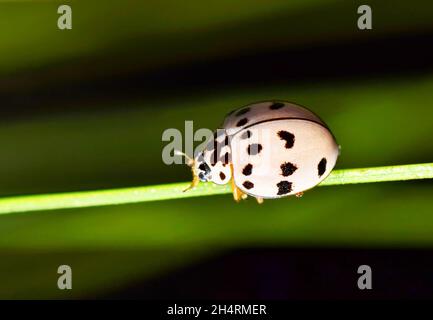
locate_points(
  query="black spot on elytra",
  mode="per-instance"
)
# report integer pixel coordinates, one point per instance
(226, 141)
(284, 187)
(204, 167)
(214, 158)
(276, 106)
(248, 184)
(242, 122)
(247, 169)
(215, 147)
(246, 135)
(222, 175)
(321, 167)
(225, 159)
(254, 149)
(218, 134)
(242, 111)
(287, 169)
(288, 137)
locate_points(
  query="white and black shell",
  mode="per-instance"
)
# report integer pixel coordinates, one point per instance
(270, 150)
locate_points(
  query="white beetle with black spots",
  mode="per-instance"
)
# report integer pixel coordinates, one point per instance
(268, 150)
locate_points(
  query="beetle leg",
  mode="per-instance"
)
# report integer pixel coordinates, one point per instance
(238, 195)
(190, 163)
(194, 182)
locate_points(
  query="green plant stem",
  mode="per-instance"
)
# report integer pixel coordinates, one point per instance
(175, 190)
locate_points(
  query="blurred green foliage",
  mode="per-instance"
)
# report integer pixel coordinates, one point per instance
(377, 122)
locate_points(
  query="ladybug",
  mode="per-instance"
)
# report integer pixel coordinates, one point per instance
(268, 150)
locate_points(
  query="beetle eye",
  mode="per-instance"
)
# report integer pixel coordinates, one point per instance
(201, 177)
(204, 167)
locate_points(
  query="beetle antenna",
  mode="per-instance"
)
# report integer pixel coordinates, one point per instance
(189, 161)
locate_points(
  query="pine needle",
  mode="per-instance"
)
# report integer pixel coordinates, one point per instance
(83, 199)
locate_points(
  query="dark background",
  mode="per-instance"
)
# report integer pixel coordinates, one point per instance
(85, 109)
